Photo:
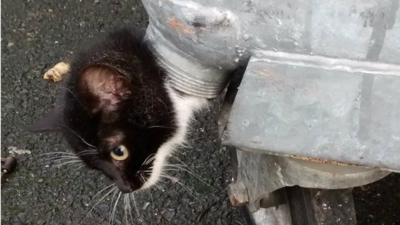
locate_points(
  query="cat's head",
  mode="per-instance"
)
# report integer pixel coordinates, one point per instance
(116, 112)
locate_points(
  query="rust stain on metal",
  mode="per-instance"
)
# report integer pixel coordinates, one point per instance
(180, 26)
(274, 78)
(266, 72)
(322, 161)
(237, 193)
(237, 200)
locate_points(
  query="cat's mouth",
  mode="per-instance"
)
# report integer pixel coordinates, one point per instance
(133, 183)
(125, 182)
(128, 185)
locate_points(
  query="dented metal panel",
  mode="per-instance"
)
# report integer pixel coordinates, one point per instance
(201, 41)
(319, 107)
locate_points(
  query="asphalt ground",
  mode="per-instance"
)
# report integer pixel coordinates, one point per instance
(38, 34)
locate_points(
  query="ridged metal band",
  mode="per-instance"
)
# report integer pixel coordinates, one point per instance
(186, 74)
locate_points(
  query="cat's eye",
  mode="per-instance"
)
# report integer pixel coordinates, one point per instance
(120, 153)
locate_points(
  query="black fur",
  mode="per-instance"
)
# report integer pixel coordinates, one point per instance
(146, 118)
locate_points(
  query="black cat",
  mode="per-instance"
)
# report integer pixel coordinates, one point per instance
(120, 114)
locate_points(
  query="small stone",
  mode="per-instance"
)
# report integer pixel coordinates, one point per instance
(146, 205)
(40, 180)
(10, 44)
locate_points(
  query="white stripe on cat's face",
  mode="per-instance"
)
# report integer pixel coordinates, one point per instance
(184, 107)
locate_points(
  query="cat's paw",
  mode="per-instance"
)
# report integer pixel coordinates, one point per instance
(57, 72)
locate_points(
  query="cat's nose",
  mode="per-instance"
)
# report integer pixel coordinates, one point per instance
(125, 188)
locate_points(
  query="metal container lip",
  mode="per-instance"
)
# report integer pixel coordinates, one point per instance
(185, 73)
(328, 63)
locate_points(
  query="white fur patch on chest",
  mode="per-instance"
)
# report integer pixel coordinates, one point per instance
(184, 107)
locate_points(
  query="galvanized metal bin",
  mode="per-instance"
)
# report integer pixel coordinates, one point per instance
(320, 95)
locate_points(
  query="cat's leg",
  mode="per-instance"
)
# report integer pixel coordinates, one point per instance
(57, 72)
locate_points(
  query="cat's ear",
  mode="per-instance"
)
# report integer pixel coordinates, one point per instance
(52, 121)
(103, 89)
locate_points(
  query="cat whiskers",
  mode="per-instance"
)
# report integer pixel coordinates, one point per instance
(67, 158)
(68, 162)
(61, 158)
(185, 168)
(175, 180)
(149, 159)
(90, 151)
(127, 209)
(78, 136)
(132, 197)
(51, 153)
(172, 179)
(87, 151)
(55, 155)
(112, 188)
(118, 196)
(145, 163)
(157, 126)
(127, 199)
(148, 172)
(176, 168)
